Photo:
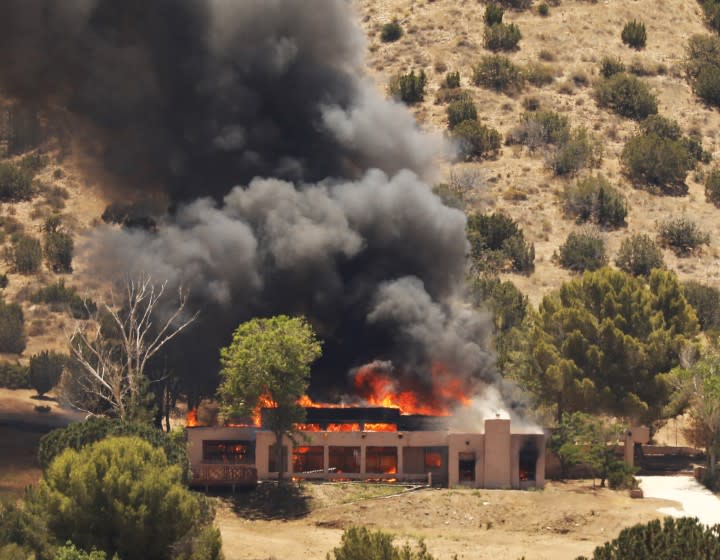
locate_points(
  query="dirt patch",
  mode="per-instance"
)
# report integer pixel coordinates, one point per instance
(562, 521)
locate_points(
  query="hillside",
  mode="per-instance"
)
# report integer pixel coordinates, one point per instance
(447, 35)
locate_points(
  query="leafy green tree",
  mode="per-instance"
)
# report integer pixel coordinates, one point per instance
(657, 161)
(697, 387)
(71, 552)
(583, 250)
(626, 95)
(669, 539)
(567, 441)
(639, 255)
(602, 455)
(705, 299)
(408, 88)
(359, 543)
(119, 495)
(269, 359)
(475, 140)
(45, 370)
(601, 342)
(594, 200)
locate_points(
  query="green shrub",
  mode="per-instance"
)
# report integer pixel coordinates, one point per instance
(705, 299)
(610, 66)
(60, 297)
(391, 31)
(15, 183)
(502, 37)
(498, 73)
(712, 187)
(702, 67)
(670, 539)
(447, 95)
(682, 235)
(662, 126)
(594, 200)
(538, 74)
(4, 281)
(25, 255)
(452, 80)
(579, 151)
(638, 255)
(460, 111)
(80, 434)
(408, 88)
(14, 376)
(71, 552)
(45, 370)
(584, 250)
(493, 14)
(496, 241)
(517, 4)
(657, 161)
(32, 163)
(626, 95)
(544, 10)
(359, 543)
(634, 34)
(539, 129)
(475, 140)
(12, 329)
(59, 250)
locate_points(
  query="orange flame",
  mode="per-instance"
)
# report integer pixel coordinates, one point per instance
(191, 419)
(380, 427)
(343, 428)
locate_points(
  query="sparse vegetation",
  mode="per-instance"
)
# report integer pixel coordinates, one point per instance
(682, 235)
(579, 151)
(60, 297)
(712, 187)
(540, 128)
(610, 66)
(639, 255)
(475, 140)
(493, 14)
(15, 183)
(408, 88)
(634, 34)
(626, 95)
(452, 80)
(538, 74)
(25, 255)
(360, 543)
(391, 31)
(498, 73)
(593, 200)
(14, 375)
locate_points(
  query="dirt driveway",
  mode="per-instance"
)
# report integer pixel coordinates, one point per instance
(695, 500)
(561, 522)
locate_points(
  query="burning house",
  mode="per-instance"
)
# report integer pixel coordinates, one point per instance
(372, 443)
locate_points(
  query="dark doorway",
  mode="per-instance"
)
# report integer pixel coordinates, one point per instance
(528, 461)
(467, 467)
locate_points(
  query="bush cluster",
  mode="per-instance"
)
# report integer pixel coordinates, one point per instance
(391, 31)
(517, 4)
(493, 14)
(610, 66)
(702, 66)
(460, 111)
(60, 297)
(594, 200)
(540, 128)
(498, 73)
(475, 140)
(409, 88)
(706, 301)
(583, 250)
(25, 254)
(639, 255)
(59, 246)
(452, 80)
(538, 74)
(502, 37)
(45, 370)
(360, 543)
(578, 151)
(14, 376)
(12, 328)
(634, 34)
(15, 183)
(712, 187)
(497, 243)
(682, 235)
(626, 95)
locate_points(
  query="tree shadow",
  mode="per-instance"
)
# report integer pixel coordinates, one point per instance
(43, 398)
(270, 501)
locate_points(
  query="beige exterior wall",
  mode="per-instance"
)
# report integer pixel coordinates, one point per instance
(495, 452)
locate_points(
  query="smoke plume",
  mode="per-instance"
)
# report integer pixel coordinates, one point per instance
(296, 187)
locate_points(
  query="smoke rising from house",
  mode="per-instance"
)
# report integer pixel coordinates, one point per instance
(296, 187)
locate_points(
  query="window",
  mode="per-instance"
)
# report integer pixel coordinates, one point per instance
(381, 460)
(466, 467)
(308, 459)
(228, 451)
(433, 459)
(344, 459)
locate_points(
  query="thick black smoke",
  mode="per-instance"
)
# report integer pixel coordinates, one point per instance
(331, 217)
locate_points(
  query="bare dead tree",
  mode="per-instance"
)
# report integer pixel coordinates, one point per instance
(112, 369)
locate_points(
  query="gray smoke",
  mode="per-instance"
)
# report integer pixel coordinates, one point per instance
(296, 186)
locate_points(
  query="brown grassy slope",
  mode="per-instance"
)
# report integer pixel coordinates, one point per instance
(577, 34)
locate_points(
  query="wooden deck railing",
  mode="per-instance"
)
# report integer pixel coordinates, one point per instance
(220, 474)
